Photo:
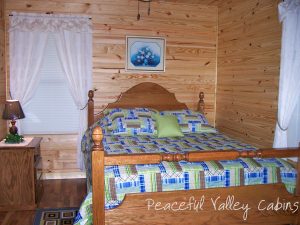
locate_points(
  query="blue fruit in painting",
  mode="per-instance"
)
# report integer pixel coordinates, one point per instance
(145, 57)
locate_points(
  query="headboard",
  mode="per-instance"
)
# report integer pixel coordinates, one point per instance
(147, 94)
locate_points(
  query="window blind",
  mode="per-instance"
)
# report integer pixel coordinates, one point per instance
(52, 109)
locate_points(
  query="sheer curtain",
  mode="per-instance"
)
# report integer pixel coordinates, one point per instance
(293, 132)
(27, 46)
(289, 82)
(75, 53)
(28, 35)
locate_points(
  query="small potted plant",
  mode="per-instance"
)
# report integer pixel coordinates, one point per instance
(13, 139)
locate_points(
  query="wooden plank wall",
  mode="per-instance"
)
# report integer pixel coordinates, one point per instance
(248, 69)
(2, 71)
(191, 34)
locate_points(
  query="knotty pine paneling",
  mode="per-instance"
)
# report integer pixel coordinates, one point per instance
(2, 71)
(249, 36)
(58, 153)
(190, 30)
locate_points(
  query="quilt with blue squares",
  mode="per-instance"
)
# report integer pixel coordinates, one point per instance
(171, 176)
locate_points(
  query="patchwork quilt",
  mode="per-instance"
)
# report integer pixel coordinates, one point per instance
(117, 144)
(171, 176)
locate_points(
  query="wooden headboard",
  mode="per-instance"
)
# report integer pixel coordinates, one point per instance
(148, 95)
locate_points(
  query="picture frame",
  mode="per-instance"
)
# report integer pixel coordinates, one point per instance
(145, 54)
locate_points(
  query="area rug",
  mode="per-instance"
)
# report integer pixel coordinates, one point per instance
(59, 216)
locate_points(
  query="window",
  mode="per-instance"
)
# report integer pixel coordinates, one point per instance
(52, 109)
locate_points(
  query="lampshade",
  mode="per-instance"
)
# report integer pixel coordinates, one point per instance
(13, 110)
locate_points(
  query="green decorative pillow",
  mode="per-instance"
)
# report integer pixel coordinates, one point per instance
(167, 126)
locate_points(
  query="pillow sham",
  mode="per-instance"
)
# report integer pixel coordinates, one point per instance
(128, 122)
(111, 114)
(190, 121)
(167, 126)
(206, 128)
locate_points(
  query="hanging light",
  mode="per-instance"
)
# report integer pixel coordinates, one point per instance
(139, 15)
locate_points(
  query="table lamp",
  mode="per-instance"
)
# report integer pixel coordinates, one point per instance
(13, 111)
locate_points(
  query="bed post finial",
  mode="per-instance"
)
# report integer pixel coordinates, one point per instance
(91, 95)
(97, 137)
(201, 104)
(90, 108)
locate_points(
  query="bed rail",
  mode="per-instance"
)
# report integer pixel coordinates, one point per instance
(199, 156)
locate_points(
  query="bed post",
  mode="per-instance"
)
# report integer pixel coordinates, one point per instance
(298, 179)
(98, 178)
(90, 108)
(201, 104)
(297, 192)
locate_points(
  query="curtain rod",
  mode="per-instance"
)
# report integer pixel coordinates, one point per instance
(48, 13)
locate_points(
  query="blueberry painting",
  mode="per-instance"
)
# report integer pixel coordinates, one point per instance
(145, 54)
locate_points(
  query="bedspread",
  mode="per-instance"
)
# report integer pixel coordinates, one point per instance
(170, 176)
(116, 144)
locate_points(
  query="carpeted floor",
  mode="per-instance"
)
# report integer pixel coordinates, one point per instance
(59, 216)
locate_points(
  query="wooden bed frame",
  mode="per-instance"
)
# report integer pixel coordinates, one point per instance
(254, 204)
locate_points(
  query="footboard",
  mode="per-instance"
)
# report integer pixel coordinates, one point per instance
(263, 204)
(257, 204)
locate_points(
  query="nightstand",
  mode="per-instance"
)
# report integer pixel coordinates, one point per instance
(20, 180)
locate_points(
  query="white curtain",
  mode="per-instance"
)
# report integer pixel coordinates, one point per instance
(289, 82)
(28, 37)
(27, 47)
(293, 131)
(75, 53)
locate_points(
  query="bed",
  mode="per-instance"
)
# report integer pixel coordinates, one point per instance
(242, 204)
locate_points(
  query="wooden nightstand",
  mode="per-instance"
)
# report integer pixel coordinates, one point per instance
(20, 180)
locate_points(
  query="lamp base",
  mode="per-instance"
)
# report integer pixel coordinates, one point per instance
(13, 129)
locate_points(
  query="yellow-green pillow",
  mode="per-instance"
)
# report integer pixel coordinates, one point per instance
(167, 126)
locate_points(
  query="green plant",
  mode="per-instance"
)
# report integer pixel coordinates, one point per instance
(14, 138)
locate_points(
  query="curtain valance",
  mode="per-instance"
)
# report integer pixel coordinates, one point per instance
(287, 6)
(50, 22)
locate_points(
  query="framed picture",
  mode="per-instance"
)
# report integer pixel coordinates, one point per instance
(145, 54)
